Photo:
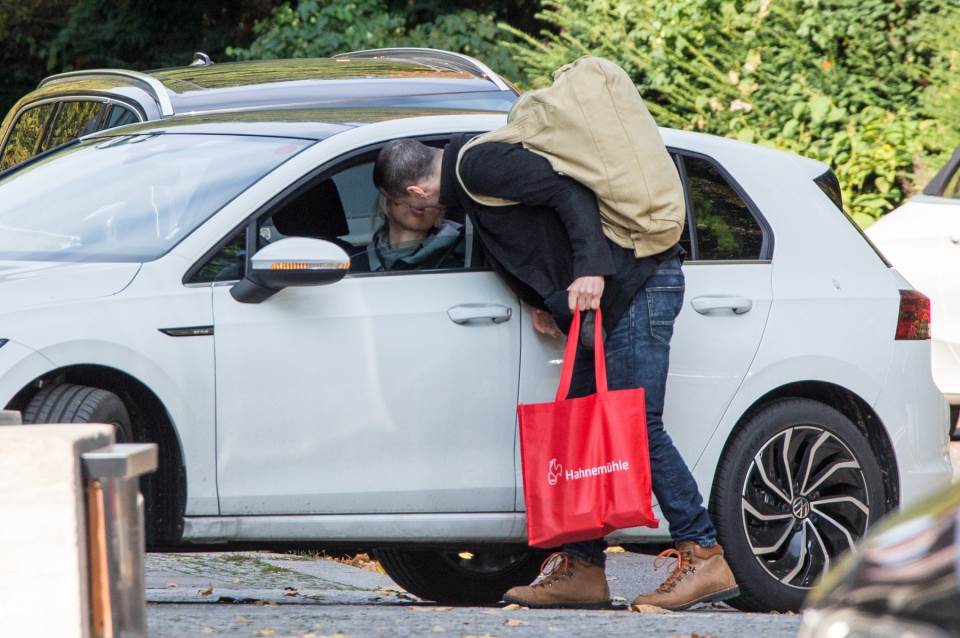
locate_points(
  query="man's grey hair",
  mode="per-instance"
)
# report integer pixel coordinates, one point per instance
(402, 163)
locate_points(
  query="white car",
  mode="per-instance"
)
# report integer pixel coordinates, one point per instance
(922, 240)
(164, 277)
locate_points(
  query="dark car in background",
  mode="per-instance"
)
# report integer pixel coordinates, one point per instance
(67, 106)
(902, 580)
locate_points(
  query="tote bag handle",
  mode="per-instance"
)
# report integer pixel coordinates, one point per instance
(570, 355)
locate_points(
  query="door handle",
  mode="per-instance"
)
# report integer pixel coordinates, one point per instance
(706, 305)
(479, 313)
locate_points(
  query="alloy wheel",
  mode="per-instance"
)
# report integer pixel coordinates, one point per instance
(804, 500)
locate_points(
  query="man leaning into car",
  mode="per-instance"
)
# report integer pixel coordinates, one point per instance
(552, 252)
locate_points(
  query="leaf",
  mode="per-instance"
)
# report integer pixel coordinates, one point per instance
(266, 632)
(515, 607)
(437, 629)
(207, 631)
(243, 620)
(819, 107)
(206, 591)
(649, 609)
(515, 622)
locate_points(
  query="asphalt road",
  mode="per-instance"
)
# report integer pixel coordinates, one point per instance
(263, 594)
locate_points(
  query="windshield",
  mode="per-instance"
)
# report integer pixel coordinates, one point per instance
(129, 198)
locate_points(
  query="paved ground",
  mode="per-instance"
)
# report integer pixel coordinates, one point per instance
(262, 594)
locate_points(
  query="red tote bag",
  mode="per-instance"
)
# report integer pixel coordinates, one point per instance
(586, 461)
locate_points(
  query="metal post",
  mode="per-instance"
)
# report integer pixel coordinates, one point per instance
(116, 537)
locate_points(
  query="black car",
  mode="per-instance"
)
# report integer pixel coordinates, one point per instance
(69, 105)
(903, 580)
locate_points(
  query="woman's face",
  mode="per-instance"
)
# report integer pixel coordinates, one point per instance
(419, 220)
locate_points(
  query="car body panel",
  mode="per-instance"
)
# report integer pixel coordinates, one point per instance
(365, 397)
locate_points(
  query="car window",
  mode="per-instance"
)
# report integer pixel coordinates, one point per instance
(120, 115)
(344, 209)
(74, 119)
(161, 187)
(725, 228)
(227, 264)
(25, 135)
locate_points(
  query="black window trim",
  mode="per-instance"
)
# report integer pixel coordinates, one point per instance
(57, 101)
(767, 243)
(349, 159)
(941, 180)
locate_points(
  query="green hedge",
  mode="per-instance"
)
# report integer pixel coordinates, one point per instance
(853, 83)
(868, 86)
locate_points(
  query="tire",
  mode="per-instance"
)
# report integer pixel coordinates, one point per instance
(68, 403)
(448, 577)
(788, 463)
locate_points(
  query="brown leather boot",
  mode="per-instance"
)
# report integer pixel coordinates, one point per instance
(564, 581)
(700, 574)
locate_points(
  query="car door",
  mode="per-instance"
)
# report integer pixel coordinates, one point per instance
(387, 392)
(725, 308)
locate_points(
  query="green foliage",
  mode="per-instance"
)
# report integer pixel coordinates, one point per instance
(837, 80)
(320, 28)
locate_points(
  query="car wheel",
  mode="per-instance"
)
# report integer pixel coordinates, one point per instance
(797, 486)
(68, 403)
(460, 577)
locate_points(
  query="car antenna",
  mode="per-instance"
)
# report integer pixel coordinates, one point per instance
(201, 59)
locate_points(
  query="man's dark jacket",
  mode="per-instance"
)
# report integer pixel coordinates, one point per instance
(551, 237)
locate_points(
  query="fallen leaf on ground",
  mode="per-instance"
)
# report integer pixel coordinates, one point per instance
(515, 607)
(206, 591)
(363, 561)
(553, 629)
(649, 609)
(616, 549)
(243, 620)
(514, 622)
(171, 585)
(235, 581)
(266, 632)
(437, 629)
(207, 631)
(290, 591)
(422, 608)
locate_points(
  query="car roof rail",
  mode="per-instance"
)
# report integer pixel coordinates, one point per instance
(456, 61)
(153, 86)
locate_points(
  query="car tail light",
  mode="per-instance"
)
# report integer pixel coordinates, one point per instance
(914, 319)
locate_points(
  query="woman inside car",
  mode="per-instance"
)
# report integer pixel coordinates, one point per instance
(411, 239)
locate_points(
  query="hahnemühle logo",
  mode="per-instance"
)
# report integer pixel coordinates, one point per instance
(555, 471)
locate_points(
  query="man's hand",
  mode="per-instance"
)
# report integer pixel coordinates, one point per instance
(585, 293)
(544, 323)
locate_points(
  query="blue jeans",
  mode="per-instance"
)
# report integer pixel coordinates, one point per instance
(638, 355)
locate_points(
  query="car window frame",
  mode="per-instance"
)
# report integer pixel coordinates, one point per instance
(941, 180)
(767, 242)
(57, 101)
(324, 171)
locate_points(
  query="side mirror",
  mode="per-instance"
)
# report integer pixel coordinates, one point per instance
(294, 261)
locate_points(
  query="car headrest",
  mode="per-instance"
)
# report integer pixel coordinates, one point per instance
(317, 213)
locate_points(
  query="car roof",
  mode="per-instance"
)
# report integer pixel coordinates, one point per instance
(378, 77)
